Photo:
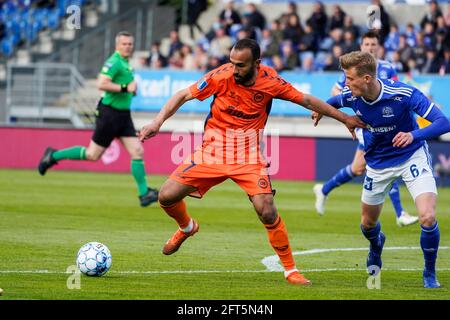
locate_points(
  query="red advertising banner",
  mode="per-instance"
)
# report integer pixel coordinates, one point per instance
(291, 158)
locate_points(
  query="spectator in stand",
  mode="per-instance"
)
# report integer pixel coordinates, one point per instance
(349, 43)
(293, 31)
(289, 56)
(337, 19)
(221, 44)
(277, 63)
(419, 51)
(444, 64)
(429, 38)
(255, 17)
(335, 38)
(440, 43)
(229, 16)
(332, 60)
(269, 47)
(397, 63)
(156, 60)
(194, 9)
(251, 30)
(413, 70)
(385, 21)
(405, 51)
(276, 31)
(308, 42)
(447, 15)
(176, 60)
(189, 62)
(308, 63)
(291, 11)
(201, 58)
(175, 43)
(213, 63)
(350, 26)
(411, 36)
(431, 63)
(431, 16)
(441, 26)
(391, 42)
(381, 54)
(318, 20)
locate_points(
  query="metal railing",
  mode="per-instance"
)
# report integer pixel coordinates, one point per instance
(90, 50)
(49, 94)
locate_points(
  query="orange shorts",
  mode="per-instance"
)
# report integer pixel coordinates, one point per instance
(252, 178)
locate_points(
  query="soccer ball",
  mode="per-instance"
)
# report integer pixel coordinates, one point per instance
(94, 259)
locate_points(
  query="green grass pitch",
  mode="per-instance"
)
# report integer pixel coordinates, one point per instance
(45, 220)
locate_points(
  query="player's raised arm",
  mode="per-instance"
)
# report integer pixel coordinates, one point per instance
(351, 122)
(168, 110)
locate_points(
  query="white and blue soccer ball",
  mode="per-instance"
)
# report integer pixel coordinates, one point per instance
(94, 259)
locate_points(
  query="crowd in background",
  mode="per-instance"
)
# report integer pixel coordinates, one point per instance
(287, 43)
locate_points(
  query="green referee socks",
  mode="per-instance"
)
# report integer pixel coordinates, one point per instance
(138, 171)
(74, 153)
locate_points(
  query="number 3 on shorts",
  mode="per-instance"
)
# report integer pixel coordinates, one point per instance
(368, 183)
(414, 171)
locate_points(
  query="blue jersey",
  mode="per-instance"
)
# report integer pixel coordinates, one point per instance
(385, 70)
(392, 112)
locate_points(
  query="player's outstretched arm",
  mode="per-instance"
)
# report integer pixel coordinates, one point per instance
(323, 108)
(168, 110)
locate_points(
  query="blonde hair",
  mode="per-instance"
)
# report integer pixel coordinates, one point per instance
(363, 62)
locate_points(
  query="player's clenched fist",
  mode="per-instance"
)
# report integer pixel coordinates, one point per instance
(149, 130)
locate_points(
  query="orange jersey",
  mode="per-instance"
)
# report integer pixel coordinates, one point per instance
(235, 124)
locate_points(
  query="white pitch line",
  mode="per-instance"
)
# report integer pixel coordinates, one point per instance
(272, 265)
(211, 271)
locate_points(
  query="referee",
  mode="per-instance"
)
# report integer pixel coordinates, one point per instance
(113, 120)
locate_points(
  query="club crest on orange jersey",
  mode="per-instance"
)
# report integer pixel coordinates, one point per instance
(258, 97)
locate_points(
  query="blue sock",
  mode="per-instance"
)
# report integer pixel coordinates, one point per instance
(394, 194)
(429, 241)
(373, 235)
(344, 175)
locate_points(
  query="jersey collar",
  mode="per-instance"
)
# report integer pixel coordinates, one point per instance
(379, 96)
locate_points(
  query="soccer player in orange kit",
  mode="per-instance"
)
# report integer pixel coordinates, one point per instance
(243, 91)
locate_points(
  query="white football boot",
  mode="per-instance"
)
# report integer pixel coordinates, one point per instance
(320, 199)
(405, 219)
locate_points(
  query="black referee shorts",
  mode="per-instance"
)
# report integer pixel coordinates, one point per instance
(111, 123)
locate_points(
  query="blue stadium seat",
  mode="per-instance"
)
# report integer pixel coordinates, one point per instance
(7, 46)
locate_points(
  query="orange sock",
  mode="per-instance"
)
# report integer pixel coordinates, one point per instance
(279, 240)
(179, 213)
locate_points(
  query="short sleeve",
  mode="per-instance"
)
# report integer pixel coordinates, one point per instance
(204, 88)
(110, 69)
(336, 101)
(286, 91)
(420, 104)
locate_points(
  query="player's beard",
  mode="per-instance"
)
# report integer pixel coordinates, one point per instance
(245, 78)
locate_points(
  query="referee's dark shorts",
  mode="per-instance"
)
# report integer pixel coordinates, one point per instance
(112, 123)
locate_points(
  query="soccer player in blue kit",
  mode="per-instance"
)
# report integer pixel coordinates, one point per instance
(369, 43)
(394, 148)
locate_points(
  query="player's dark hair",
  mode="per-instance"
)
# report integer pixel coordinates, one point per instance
(371, 34)
(249, 44)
